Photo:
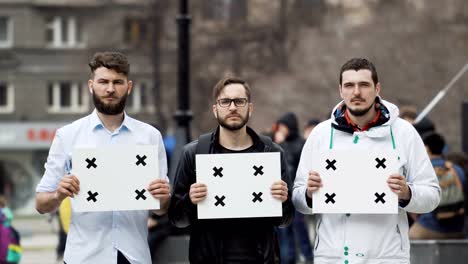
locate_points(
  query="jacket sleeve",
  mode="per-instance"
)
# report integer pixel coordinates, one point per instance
(182, 212)
(420, 176)
(303, 203)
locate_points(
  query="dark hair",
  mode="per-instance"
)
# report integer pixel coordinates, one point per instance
(111, 60)
(218, 88)
(312, 122)
(435, 142)
(359, 64)
(408, 112)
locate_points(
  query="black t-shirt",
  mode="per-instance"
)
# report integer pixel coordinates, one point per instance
(239, 241)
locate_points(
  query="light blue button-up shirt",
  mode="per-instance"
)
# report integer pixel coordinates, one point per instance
(95, 237)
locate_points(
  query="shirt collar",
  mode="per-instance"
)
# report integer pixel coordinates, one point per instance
(96, 122)
(372, 123)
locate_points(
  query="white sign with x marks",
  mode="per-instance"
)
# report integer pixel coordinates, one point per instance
(239, 185)
(355, 181)
(114, 178)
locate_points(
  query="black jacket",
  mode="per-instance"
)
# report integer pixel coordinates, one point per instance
(293, 144)
(206, 235)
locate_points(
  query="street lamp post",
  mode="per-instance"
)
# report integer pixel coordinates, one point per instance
(183, 115)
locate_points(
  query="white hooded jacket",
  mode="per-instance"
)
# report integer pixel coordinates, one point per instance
(369, 238)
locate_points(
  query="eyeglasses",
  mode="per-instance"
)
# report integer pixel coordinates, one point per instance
(226, 102)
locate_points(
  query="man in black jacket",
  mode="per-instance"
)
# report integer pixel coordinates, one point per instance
(287, 136)
(235, 240)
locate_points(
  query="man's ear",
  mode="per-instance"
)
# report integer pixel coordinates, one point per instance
(377, 89)
(130, 87)
(215, 113)
(90, 86)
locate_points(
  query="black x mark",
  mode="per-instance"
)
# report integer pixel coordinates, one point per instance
(380, 163)
(331, 164)
(140, 194)
(257, 197)
(258, 170)
(92, 196)
(91, 163)
(141, 160)
(379, 198)
(330, 198)
(217, 172)
(219, 200)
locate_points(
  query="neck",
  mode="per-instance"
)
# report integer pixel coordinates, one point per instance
(111, 122)
(363, 120)
(433, 156)
(235, 140)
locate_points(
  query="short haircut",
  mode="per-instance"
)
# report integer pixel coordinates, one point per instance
(218, 88)
(435, 142)
(359, 64)
(111, 60)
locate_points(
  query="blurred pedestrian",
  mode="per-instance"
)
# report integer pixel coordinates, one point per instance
(10, 246)
(310, 125)
(287, 136)
(447, 220)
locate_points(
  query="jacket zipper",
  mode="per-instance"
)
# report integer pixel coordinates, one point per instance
(317, 237)
(399, 234)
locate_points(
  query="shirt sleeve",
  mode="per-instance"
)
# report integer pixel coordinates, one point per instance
(55, 166)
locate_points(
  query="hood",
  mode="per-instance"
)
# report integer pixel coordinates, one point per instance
(388, 116)
(290, 120)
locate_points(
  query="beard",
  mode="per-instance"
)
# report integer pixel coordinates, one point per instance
(360, 112)
(111, 108)
(236, 126)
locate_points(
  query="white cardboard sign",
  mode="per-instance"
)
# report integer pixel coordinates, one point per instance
(115, 178)
(355, 181)
(239, 185)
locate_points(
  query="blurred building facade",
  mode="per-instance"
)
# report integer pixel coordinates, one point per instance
(45, 46)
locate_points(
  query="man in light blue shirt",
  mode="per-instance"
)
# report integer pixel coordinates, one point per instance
(114, 236)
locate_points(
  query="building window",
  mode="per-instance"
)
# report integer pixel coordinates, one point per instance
(67, 97)
(141, 99)
(224, 10)
(6, 97)
(64, 32)
(136, 31)
(6, 32)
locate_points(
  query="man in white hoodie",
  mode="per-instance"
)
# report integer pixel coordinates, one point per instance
(362, 120)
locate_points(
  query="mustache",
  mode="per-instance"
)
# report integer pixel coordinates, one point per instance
(357, 99)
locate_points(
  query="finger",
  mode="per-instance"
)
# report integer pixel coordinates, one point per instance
(65, 192)
(72, 179)
(68, 187)
(279, 192)
(395, 187)
(197, 185)
(160, 191)
(200, 189)
(314, 178)
(396, 176)
(199, 194)
(314, 173)
(312, 189)
(314, 184)
(280, 197)
(159, 186)
(279, 187)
